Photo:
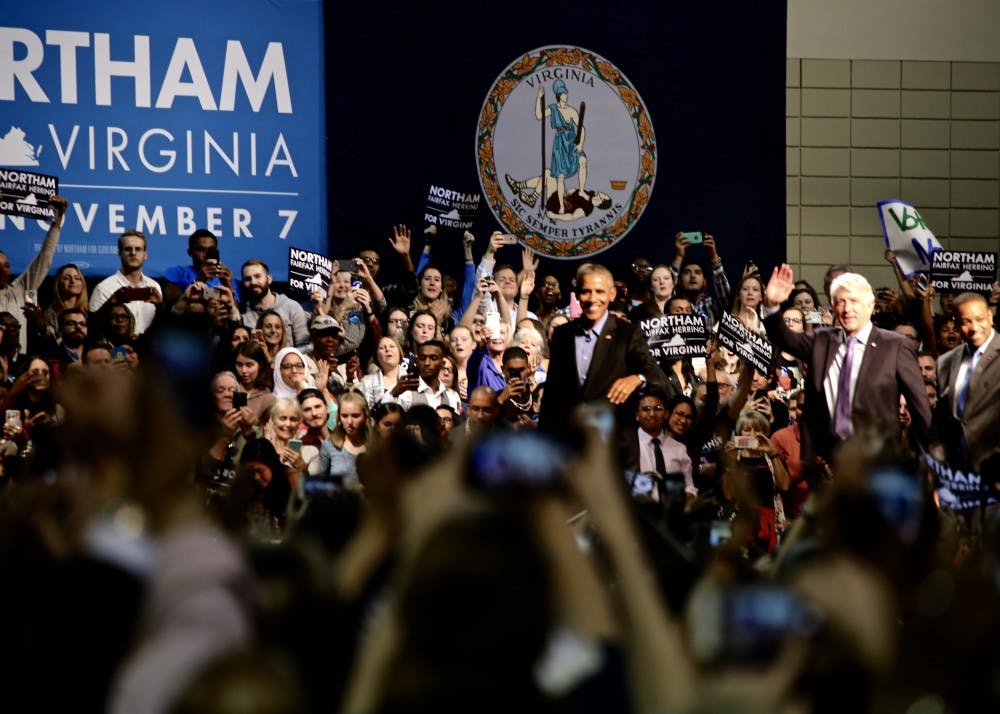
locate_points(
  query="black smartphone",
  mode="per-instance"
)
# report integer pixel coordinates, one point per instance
(346, 266)
(239, 400)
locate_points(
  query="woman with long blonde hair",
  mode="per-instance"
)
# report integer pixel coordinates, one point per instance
(338, 456)
(69, 290)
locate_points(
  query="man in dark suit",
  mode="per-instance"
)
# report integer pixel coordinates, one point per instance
(880, 365)
(596, 357)
(967, 414)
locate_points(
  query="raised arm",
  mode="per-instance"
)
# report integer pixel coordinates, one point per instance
(401, 244)
(38, 268)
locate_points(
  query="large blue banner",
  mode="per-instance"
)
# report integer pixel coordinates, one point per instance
(166, 117)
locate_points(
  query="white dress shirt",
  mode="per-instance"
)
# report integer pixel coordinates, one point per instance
(425, 395)
(831, 385)
(142, 311)
(675, 457)
(967, 358)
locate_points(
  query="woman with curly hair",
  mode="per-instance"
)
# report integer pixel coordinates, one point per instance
(273, 333)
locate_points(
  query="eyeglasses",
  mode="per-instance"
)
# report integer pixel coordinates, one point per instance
(370, 260)
(479, 320)
(295, 367)
(398, 321)
(657, 408)
(793, 320)
(642, 267)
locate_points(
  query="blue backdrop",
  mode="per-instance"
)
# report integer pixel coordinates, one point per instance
(166, 116)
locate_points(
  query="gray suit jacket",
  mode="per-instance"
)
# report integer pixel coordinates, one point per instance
(980, 422)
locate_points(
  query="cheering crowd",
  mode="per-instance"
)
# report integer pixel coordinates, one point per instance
(485, 492)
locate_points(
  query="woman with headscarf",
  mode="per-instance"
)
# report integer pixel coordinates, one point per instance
(291, 375)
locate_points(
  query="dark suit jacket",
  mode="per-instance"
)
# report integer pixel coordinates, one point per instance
(620, 351)
(889, 368)
(980, 422)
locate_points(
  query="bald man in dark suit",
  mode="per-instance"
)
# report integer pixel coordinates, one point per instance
(967, 413)
(596, 357)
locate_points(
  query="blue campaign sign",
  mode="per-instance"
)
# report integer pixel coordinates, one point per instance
(166, 117)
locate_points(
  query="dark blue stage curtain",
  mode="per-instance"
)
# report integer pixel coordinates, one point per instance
(405, 87)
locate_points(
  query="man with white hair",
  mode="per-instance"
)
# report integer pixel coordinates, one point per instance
(856, 371)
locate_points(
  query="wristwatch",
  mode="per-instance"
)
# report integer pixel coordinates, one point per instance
(642, 381)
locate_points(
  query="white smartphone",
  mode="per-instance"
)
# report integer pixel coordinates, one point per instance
(493, 321)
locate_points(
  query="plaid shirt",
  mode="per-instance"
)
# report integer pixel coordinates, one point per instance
(710, 307)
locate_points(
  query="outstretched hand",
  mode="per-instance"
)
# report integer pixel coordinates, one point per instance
(401, 239)
(528, 260)
(780, 286)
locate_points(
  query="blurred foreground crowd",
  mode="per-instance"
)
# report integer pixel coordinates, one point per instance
(483, 492)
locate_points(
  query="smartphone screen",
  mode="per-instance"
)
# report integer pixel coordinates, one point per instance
(516, 459)
(295, 445)
(239, 400)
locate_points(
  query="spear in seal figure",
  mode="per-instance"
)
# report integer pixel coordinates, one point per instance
(542, 193)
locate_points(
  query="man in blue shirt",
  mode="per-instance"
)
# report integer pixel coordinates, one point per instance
(203, 247)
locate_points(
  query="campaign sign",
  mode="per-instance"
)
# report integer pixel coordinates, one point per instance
(451, 209)
(308, 271)
(27, 194)
(959, 490)
(907, 235)
(675, 336)
(964, 271)
(155, 122)
(749, 346)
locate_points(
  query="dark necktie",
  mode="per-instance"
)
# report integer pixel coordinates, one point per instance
(963, 390)
(842, 407)
(661, 465)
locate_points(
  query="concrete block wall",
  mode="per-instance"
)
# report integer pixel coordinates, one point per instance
(859, 131)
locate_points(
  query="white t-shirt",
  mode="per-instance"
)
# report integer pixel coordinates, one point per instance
(143, 311)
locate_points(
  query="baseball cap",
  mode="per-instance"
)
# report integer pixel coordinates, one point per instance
(323, 323)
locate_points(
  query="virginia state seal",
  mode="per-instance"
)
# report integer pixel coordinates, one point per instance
(566, 152)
